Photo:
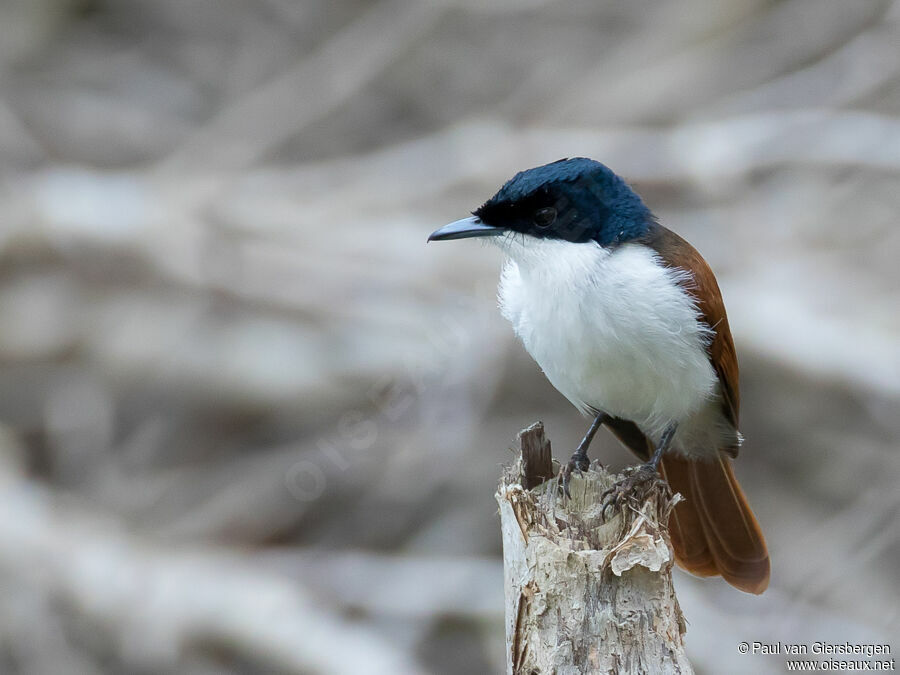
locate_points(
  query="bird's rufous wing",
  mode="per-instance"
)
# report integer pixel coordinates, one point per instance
(702, 286)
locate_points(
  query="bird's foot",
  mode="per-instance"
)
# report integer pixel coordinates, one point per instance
(578, 462)
(633, 488)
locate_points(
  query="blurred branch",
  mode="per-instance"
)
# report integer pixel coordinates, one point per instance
(245, 130)
(485, 152)
(855, 70)
(156, 603)
(753, 51)
(401, 585)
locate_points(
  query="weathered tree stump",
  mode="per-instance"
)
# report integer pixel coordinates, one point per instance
(584, 595)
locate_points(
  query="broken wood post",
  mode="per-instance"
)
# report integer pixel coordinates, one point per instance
(584, 595)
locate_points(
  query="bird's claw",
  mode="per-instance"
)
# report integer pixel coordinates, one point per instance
(632, 488)
(578, 462)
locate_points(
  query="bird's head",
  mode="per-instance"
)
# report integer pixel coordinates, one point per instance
(575, 200)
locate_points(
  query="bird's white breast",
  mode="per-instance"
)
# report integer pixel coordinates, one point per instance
(614, 330)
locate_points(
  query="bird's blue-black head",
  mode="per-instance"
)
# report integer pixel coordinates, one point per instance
(577, 200)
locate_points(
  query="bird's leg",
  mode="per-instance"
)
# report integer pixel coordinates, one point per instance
(641, 477)
(579, 460)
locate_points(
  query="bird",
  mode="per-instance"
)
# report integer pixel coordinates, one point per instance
(626, 320)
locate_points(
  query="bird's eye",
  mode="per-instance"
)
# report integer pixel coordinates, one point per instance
(545, 217)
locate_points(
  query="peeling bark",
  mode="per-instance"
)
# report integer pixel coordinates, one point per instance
(584, 595)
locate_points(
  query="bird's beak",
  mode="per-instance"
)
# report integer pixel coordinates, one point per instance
(467, 227)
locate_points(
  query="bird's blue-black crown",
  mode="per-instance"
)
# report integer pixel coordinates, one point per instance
(576, 199)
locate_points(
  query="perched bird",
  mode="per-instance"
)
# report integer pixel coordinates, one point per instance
(626, 320)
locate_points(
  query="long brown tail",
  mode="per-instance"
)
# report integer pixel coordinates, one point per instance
(713, 531)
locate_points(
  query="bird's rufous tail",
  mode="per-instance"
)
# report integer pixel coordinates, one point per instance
(713, 530)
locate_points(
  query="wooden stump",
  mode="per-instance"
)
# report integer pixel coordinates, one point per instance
(584, 595)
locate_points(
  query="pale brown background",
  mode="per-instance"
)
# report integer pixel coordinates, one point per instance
(251, 423)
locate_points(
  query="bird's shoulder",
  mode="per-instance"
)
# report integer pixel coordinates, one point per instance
(703, 287)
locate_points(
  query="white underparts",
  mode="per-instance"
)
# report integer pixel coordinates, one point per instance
(615, 330)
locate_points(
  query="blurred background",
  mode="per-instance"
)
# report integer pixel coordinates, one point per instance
(251, 423)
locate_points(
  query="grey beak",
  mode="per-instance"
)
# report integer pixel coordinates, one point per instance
(467, 227)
